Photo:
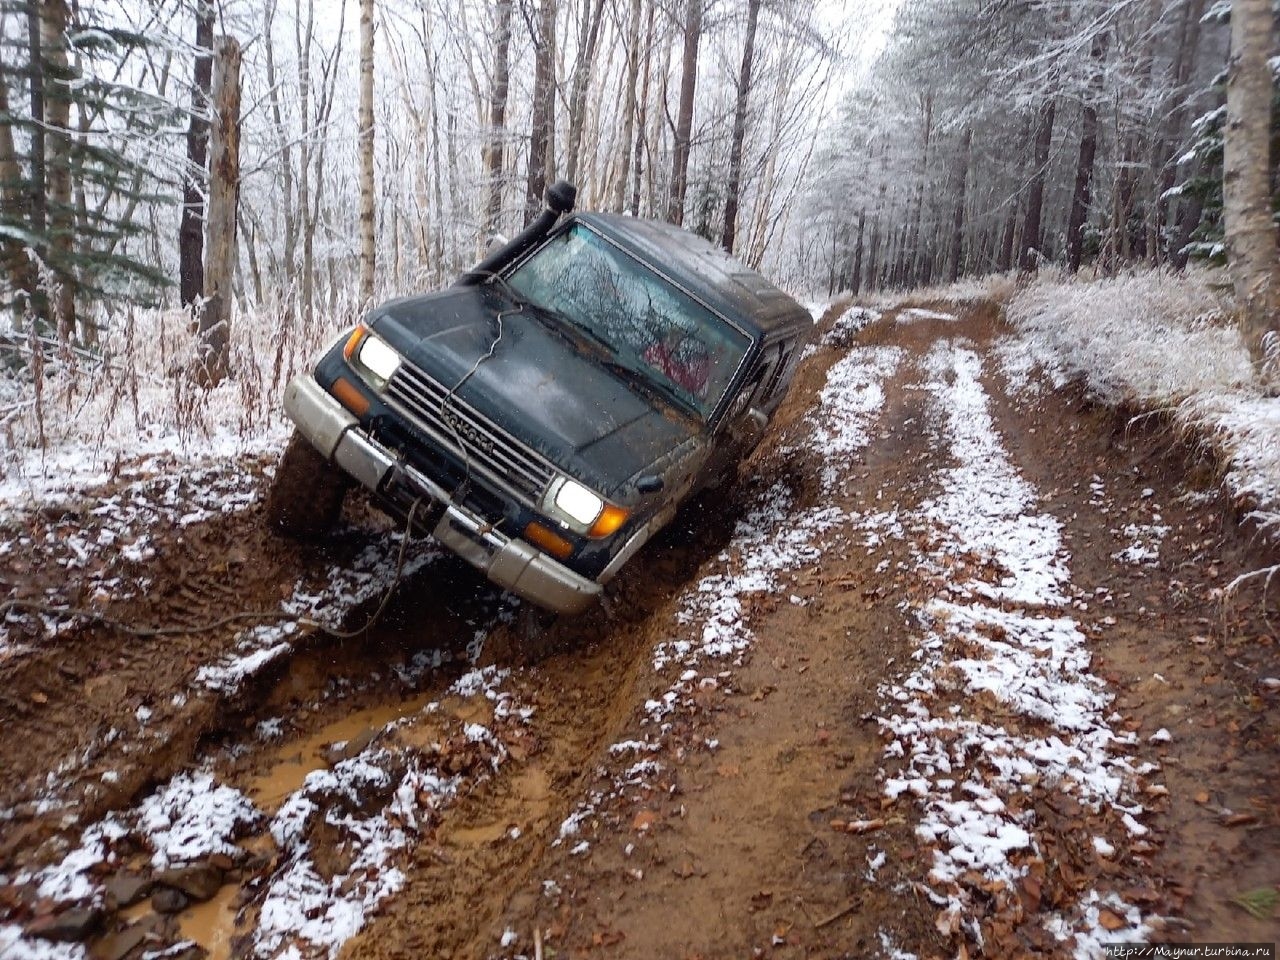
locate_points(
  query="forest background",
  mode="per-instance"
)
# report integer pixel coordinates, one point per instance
(291, 161)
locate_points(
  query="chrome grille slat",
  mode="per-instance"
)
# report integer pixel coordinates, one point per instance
(499, 454)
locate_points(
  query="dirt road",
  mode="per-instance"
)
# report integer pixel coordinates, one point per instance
(953, 669)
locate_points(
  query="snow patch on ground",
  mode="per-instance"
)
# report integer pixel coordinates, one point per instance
(367, 577)
(380, 802)
(187, 820)
(996, 642)
(912, 314)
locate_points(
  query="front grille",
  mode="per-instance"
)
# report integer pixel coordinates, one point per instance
(489, 447)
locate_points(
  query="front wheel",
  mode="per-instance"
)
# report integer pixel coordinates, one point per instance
(306, 496)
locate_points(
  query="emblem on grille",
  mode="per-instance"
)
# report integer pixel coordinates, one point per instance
(469, 433)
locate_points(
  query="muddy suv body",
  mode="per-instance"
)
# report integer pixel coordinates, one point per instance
(551, 411)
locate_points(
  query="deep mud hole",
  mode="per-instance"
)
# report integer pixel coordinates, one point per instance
(481, 793)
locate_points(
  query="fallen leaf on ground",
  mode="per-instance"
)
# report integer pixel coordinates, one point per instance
(1239, 819)
(644, 820)
(1111, 921)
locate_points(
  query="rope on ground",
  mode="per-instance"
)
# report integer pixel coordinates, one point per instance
(95, 616)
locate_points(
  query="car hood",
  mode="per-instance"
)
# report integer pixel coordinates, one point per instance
(539, 384)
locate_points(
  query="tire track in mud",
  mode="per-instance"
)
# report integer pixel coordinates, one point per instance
(437, 626)
(445, 786)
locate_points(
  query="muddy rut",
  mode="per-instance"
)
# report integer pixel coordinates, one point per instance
(702, 768)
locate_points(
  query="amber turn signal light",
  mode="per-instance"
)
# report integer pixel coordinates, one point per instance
(350, 397)
(554, 544)
(610, 519)
(353, 342)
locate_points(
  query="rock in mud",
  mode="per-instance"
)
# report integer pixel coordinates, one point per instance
(67, 926)
(126, 889)
(168, 900)
(199, 881)
(117, 946)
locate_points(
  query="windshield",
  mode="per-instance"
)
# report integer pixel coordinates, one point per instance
(652, 329)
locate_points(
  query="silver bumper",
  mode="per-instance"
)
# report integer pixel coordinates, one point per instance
(509, 562)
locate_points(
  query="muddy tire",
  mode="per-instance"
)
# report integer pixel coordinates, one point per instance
(307, 493)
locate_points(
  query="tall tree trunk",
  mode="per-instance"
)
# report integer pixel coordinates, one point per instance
(911, 252)
(856, 273)
(304, 29)
(286, 158)
(1082, 193)
(734, 187)
(1165, 167)
(37, 189)
(55, 18)
(16, 266)
(1250, 230)
(629, 109)
(642, 116)
(191, 227)
(1029, 257)
(214, 332)
(1005, 259)
(684, 121)
(957, 221)
(494, 147)
(542, 139)
(588, 38)
(367, 240)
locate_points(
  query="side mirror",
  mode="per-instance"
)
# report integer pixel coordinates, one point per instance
(650, 484)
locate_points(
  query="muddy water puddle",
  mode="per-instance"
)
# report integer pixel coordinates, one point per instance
(279, 771)
(285, 767)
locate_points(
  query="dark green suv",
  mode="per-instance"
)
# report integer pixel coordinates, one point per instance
(551, 411)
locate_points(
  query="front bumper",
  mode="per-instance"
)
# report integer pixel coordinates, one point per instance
(509, 562)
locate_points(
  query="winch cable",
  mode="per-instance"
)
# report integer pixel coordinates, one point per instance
(277, 616)
(462, 488)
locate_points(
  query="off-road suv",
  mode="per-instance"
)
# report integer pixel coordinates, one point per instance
(551, 411)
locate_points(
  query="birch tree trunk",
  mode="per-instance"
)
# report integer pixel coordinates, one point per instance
(684, 122)
(367, 244)
(214, 332)
(1250, 231)
(494, 147)
(739, 129)
(191, 226)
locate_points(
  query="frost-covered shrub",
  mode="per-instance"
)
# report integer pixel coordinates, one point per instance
(1152, 338)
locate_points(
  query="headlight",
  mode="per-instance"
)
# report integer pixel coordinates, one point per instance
(583, 510)
(378, 358)
(578, 503)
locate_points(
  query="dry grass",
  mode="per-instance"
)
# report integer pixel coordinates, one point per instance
(68, 414)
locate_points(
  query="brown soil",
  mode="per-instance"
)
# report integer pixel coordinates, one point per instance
(730, 850)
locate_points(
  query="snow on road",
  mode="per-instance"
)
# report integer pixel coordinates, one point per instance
(1001, 698)
(774, 538)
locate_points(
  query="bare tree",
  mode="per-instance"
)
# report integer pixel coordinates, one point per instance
(54, 19)
(684, 122)
(734, 187)
(498, 92)
(191, 228)
(367, 242)
(214, 331)
(1250, 230)
(543, 124)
